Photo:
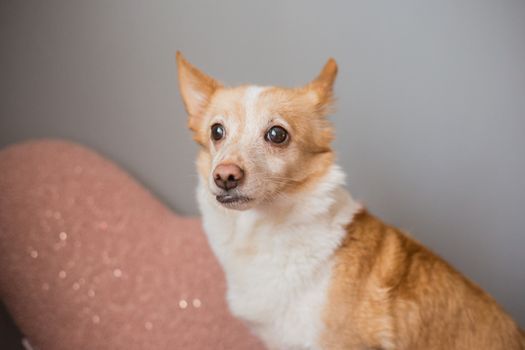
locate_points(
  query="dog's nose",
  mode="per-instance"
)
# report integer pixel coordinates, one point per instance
(227, 176)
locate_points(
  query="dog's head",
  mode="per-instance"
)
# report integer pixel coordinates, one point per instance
(258, 144)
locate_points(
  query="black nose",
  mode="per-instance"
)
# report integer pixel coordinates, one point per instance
(227, 176)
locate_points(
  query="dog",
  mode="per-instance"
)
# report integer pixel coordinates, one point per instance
(306, 266)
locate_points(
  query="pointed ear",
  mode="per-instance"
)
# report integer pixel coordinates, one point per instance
(196, 87)
(323, 85)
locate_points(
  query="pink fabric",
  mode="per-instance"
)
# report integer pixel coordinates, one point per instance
(91, 260)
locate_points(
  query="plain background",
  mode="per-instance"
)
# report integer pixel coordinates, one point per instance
(431, 110)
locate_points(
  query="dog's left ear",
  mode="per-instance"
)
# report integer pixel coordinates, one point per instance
(196, 87)
(323, 85)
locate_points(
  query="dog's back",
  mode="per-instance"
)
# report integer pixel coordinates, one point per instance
(390, 292)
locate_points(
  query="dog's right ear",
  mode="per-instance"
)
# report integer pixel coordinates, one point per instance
(196, 87)
(323, 86)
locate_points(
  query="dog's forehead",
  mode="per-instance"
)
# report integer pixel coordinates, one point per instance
(251, 99)
(250, 102)
(228, 102)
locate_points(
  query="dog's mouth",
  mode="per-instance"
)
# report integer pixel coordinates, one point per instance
(232, 199)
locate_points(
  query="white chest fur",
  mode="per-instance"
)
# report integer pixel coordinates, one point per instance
(277, 259)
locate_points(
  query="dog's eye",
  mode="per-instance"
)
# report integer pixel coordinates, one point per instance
(277, 135)
(217, 132)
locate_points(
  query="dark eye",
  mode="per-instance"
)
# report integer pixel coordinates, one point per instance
(277, 135)
(217, 131)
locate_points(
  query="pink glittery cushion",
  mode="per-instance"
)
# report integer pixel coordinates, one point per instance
(91, 260)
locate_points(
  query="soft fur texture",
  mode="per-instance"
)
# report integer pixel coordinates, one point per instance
(390, 292)
(306, 266)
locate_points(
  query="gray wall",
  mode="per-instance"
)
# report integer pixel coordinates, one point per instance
(431, 117)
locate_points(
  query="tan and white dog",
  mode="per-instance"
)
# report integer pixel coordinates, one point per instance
(307, 267)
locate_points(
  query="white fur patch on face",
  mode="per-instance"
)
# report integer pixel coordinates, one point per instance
(242, 133)
(250, 99)
(253, 120)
